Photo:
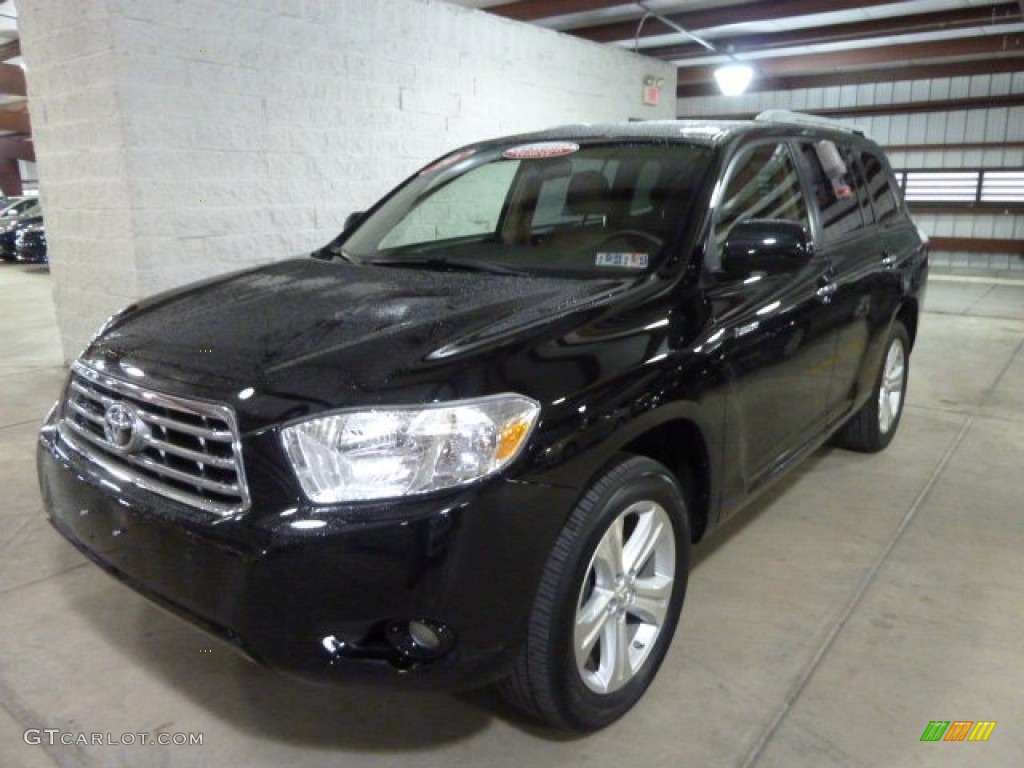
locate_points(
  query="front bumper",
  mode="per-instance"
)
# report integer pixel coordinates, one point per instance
(317, 593)
(34, 253)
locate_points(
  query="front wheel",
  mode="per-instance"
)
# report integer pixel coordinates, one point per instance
(872, 428)
(608, 602)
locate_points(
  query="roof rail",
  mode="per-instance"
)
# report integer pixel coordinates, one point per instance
(803, 118)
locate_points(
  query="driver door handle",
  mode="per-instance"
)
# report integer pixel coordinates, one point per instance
(826, 286)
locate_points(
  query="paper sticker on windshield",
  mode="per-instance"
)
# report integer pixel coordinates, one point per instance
(444, 162)
(541, 150)
(622, 260)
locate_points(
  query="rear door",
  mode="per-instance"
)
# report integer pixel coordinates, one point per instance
(850, 239)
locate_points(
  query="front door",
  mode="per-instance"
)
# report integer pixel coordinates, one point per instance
(775, 340)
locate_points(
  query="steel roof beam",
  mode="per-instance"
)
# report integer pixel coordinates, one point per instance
(531, 10)
(993, 16)
(17, 122)
(17, 149)
(715, 17)
(859, 58)
(12, 80)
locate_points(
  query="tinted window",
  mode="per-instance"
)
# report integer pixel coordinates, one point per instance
(883, 199)
(763, 184)
(833, 182)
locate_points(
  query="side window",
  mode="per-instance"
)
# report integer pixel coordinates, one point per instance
(763, 184)
(879, 189)
(833, 187)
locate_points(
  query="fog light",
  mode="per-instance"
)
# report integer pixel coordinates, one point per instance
(424, 636)
(420, 639)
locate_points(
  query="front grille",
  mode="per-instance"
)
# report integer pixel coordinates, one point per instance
(186, 450)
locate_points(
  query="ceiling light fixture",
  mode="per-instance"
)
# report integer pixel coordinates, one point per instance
(734, 78)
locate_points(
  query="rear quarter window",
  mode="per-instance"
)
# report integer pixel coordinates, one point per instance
(879, 187)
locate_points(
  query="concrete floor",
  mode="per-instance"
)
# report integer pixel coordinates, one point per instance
(825, 627)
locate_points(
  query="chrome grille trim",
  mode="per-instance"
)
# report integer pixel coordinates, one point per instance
(223, 436)
(190, 451)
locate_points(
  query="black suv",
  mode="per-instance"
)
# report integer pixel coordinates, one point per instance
(473, 439)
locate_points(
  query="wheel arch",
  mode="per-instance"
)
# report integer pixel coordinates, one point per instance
(908, 315)
(680, 446)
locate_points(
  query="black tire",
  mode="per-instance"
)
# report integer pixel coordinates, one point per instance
(872, 428)
(550, 680)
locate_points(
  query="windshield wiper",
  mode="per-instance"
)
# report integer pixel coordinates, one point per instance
(469, 265)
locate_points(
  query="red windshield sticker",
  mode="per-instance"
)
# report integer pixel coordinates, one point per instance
(444, 162)
(540, 151)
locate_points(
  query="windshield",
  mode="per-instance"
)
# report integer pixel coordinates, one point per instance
(547, 207)
(17, 207)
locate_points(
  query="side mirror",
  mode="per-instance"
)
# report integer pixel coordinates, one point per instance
(766, 245)
(353, 219)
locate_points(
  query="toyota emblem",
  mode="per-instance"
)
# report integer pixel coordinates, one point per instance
(123, 428)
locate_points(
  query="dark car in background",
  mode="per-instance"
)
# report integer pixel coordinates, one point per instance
(30, 242)
(10, 226)
(474, 439)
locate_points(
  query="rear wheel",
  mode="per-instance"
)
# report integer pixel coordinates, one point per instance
(872, 428)
(608, 602)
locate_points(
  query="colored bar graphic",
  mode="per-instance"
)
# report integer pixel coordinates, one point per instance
(958, 730)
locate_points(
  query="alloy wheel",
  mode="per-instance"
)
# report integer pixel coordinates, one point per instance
(625, 597)
(890, 391)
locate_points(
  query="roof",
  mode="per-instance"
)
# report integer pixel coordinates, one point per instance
(707, 132)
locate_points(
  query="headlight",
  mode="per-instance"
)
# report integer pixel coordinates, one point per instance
(401, 451)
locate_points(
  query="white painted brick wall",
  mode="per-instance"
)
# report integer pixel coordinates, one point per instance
(179, 139)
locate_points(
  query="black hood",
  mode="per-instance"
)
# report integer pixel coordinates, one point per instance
(335, 334)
